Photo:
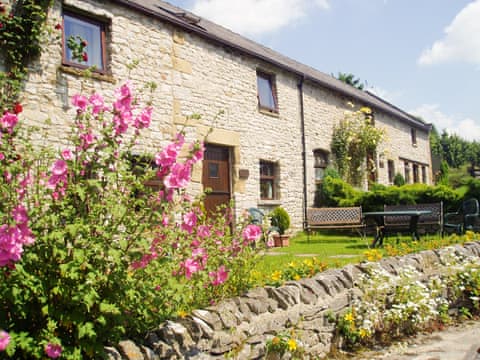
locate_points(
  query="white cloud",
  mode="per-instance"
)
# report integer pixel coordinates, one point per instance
(461, 41)
(384, 94)
(465, 128)
(256, 17)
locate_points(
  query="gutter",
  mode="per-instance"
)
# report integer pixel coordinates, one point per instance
(304, 150)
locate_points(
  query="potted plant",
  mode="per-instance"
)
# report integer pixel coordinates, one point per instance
(280, 221)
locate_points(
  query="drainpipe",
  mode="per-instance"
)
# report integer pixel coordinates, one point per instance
(304, 150)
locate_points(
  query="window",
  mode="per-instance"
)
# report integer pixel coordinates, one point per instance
(416, 174)
(320, 164)
(267, 180)
(93, 32)
(413, 133)
(407, 172)
(424, 174)
(266, 92)
(391, 171)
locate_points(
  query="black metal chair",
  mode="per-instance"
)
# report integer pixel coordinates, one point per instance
(467, 217)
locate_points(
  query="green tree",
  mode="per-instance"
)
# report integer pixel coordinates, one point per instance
(351, 80)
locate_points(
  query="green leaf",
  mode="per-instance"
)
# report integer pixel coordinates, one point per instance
(86, 330)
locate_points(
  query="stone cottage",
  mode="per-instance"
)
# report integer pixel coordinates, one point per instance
(266, 119)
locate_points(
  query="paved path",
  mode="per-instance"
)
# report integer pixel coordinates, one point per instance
(459, 342)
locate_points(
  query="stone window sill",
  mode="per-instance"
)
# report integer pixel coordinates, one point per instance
(81, 73)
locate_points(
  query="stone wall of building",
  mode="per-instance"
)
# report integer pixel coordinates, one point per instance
(194, 76)
(240, 327)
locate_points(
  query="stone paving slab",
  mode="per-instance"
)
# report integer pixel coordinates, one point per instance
(459, 342)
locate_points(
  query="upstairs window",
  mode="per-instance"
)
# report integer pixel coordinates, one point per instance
(266, 92)
(413, 134)
(268, 180)
(320, 164)
(92, 32)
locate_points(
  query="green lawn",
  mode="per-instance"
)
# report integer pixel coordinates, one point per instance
(337, 250)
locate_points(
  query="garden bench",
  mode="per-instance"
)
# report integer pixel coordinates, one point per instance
(335, 218)
(428, 223)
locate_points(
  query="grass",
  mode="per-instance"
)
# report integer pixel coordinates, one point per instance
(327, 250)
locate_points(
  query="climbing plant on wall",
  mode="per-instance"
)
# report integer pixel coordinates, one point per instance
(355, 137)
(22, 29)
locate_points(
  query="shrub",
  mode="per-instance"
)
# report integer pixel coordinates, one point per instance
(280, 219)
(398, 180)
(88, 253)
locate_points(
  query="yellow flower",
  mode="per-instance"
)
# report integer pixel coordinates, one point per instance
(366, 110)
(348, 317)
(292, 345)
(292, 264)
(297, 277)
(182, 314)
(277, 275)
(363, 333)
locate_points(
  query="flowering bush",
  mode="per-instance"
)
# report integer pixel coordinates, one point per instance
(88, 252)
(393, 306)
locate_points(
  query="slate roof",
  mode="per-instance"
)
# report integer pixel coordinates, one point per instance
(216, 33)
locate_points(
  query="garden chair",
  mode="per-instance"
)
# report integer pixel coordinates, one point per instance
(467, 217)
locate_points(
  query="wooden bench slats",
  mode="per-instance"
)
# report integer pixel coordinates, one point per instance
(335, 218)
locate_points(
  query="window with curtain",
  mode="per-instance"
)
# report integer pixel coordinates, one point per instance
(90, 30)
(268, 180)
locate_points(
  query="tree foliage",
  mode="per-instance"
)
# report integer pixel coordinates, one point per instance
(351, 80)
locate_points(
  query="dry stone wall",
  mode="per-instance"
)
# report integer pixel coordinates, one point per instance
(240, 327)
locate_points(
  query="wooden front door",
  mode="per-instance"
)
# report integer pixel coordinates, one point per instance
(216, 177)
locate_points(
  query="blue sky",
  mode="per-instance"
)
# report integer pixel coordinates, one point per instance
(421, 55)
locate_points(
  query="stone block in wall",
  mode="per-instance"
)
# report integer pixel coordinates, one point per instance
(130, 350)
(209, 317)
(112, 353)
(473, 248)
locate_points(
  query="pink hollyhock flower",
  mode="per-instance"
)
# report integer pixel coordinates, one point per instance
(8, 121)
(59, 175)
(218, 277)
(2, 157)
(7, 176)
(203, 231)
(124, 98)
(143, 119)
(59, 168)
(189, 222)
(270, 243)
(80, 102)
(97, 102)
(251, 233)
(67, 154)
(168, 156)
(198, 150)
(191, 266)
(200, 254)
(19, 214)
(179, 176)
(53, 351)
(4, 340)
(87, 140)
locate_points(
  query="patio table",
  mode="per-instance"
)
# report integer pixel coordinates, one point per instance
(379, 218)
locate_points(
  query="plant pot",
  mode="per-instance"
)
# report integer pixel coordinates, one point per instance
(281, 240)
